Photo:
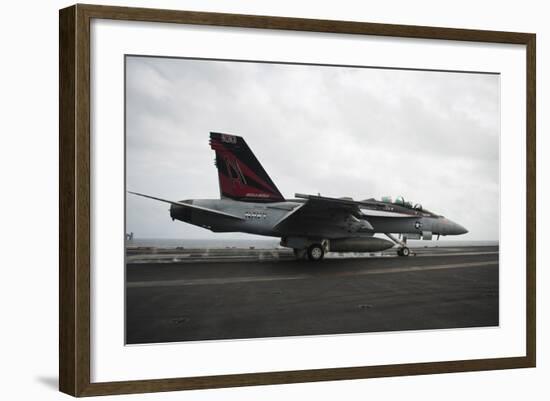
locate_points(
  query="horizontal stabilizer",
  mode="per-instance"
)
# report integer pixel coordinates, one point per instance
(190, 206)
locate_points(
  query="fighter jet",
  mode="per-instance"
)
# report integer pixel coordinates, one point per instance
(311, 225)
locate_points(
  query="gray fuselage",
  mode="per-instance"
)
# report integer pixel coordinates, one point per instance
(264, 219)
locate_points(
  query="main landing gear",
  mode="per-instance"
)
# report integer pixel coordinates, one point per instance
(313, 249)
(314, 252)
(403, 250)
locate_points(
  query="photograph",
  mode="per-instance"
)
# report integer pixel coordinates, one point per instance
(276, 199)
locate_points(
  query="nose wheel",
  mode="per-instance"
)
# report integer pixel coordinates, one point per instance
(403, 250)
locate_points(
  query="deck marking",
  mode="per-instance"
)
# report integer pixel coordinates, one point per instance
(257, 279)
(205, 258)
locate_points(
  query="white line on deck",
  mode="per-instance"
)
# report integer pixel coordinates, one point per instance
(251, 279)
(453, 254)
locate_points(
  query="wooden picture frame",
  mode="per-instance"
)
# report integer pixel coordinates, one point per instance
(74, 199)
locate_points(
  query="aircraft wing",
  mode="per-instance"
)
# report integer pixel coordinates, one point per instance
(342, 202)
(316, 207)
(368, 208)
(191, 206)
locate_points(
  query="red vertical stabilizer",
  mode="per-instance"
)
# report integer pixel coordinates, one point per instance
(240, 174)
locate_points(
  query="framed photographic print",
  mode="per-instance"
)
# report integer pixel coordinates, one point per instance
(251, 200)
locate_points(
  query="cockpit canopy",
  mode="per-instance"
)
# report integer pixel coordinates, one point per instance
(400, 201)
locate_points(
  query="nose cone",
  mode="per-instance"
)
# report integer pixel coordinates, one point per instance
(456, 229)
(461, 230)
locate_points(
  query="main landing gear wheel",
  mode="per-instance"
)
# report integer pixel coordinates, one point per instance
(404, 251)
(315, 252)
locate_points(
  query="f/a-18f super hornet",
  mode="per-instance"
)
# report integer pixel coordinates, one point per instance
(310, 224)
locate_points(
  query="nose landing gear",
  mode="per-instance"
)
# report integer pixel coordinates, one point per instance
(403, 250)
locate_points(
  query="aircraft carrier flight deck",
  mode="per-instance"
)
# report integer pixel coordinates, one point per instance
(197, 294)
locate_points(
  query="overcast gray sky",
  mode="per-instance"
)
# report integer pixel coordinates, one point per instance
(432, 137)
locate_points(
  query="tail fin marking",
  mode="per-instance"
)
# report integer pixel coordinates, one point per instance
(240, 174)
